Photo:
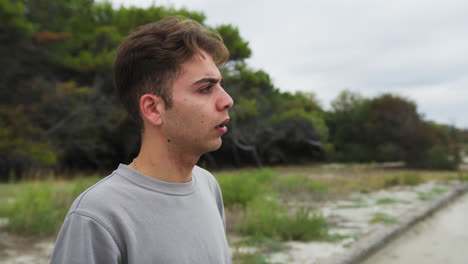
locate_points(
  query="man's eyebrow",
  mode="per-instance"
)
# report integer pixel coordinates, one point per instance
(208, 80)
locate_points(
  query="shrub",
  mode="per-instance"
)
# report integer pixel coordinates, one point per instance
(242, 187)
(265, 216)
(303, 226)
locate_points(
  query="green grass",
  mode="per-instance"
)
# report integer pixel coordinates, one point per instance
(383, 218)
(39, 208)
(263, 243)
(241, 187)
(249, 258)
(385, 201)
(266, 216)
(429, 195)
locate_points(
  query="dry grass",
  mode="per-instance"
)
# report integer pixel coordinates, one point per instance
(343, 180)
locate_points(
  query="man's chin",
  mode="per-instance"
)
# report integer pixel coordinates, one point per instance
(215, 146)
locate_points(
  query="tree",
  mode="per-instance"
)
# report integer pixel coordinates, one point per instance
(389, 128)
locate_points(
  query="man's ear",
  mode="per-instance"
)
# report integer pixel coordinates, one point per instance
(151, 109)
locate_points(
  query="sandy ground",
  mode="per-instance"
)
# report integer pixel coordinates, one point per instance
(352, 219)
(24, 250)
(442, 238)
(354, 216)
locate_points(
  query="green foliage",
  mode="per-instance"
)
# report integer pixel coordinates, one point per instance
(305, 226)
(271, 126)
(249, 258)
(440, 157)
(429, 195)
(299, 183)
(383, 218)
(266, 216)
(389, 128)
(238, 48)
(264, 244)
(242, 187)
(70, 118)
(39, 208)
(34, 210)
(385, 201)
(13, 22)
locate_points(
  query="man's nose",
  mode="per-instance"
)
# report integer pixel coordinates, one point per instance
(225, 101)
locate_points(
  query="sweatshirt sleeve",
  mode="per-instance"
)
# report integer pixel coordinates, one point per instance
(84, 240)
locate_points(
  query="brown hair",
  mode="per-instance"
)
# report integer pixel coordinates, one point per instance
(148, 60)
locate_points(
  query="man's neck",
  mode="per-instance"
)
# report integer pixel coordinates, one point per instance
(161, 162)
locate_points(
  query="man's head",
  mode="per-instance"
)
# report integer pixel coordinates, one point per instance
(149, 60)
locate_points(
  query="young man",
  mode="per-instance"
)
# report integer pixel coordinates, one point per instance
(160, 208)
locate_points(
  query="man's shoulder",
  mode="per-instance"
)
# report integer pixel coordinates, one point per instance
(101, 196)
(204, 175)
(206, 178)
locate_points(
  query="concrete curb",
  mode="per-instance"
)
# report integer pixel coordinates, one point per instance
(367, 246)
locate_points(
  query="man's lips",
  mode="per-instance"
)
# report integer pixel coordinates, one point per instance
(222, 127)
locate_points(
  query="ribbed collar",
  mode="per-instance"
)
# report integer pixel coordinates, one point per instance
(147, 182)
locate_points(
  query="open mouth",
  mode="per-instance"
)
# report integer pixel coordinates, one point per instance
(223, 124)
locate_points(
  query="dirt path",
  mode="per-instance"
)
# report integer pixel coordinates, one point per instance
(443, 238)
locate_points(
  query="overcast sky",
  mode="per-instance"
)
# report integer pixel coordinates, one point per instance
(414, 48)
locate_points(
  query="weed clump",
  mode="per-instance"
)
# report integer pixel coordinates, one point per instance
(266, 216)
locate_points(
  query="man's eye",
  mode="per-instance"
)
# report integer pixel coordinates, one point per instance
(206, 89)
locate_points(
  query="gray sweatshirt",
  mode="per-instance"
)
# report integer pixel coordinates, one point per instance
(131, 218)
